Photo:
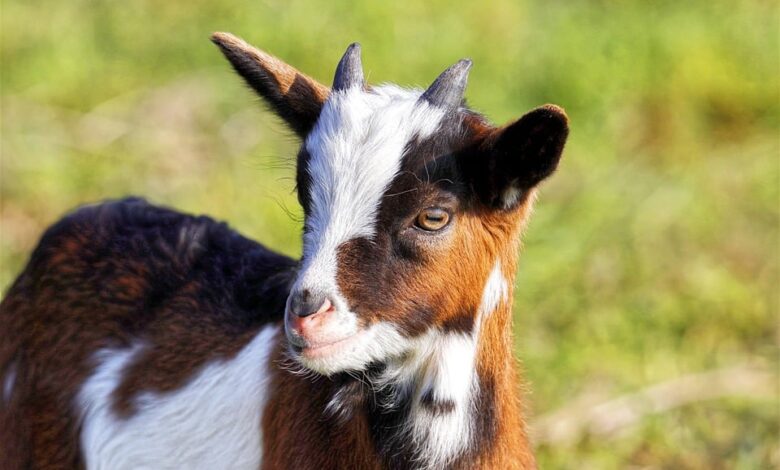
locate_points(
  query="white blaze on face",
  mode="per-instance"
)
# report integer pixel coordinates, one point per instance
(355, 153)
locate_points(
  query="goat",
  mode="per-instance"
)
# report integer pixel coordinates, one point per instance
(140, 337)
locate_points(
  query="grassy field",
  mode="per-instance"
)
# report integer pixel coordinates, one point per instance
(652, 257)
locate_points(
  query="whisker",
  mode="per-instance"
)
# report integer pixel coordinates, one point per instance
(402, 192)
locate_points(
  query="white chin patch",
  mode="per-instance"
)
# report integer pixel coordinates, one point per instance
(378, 342)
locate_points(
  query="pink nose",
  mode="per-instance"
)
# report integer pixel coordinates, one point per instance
(305, 325)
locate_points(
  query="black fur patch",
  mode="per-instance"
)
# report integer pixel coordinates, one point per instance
(436, 407)
(461, 323)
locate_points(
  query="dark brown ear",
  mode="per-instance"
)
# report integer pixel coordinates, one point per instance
(513, 159)
(294, 96)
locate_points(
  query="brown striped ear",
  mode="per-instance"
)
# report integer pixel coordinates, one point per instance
(511, 160)
(294, 96)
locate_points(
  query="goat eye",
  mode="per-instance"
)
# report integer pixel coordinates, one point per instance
(432, 219)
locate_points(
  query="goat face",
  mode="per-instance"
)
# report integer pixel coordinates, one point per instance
(412, 203)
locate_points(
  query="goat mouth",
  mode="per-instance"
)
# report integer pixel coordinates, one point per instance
(325, 349)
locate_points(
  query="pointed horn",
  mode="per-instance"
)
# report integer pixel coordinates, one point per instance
(349, 72)
(448, 88)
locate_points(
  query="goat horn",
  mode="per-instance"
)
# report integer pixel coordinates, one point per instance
(448, 88)
(349, 72)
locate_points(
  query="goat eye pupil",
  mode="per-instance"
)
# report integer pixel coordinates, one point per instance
(432, 219)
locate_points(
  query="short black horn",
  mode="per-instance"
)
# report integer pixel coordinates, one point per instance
(448, 88)
(349, 72)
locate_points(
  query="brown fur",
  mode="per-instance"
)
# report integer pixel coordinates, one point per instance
(511, 447)
(296, 433)
(295, 96)
(105, 277)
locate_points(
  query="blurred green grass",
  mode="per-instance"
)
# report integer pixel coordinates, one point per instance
(652, 254)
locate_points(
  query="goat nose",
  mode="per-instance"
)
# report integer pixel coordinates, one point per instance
(305, 303)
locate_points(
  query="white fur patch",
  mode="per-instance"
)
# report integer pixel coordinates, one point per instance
(511, 195)
(440, 365)
(451, 377)
(495, 291)
(212, 422)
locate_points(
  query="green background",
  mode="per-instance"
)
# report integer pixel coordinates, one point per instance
(652, 255)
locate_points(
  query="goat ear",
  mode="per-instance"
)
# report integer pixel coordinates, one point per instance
(512, 160)
(295, 97)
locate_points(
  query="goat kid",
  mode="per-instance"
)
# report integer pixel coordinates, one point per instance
(141, 337)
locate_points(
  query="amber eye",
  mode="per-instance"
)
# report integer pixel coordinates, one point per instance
(432, 219)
